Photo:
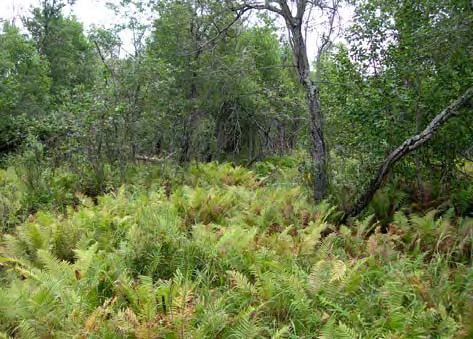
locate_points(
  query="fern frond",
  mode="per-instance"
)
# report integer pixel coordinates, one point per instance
(59, 269)
(345, 332)
(338, 271)
(245, 329)
(239, 281)
(27, 331)
(282, 333)
(85, 258)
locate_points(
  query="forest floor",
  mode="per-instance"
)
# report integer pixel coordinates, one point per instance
(218, 251)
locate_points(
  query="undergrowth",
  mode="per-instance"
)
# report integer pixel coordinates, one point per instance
(217, 251)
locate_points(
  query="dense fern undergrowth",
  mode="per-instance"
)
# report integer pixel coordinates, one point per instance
(217, 251)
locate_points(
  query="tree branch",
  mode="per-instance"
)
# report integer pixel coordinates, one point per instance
(407, 147)
(266, 6)
(301, 6)
(220, 32)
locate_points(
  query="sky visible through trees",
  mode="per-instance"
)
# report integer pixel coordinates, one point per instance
(95, 12)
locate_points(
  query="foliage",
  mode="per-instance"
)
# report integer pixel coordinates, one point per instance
(405, 60)
(162, 190)
(62, 42)
(224, 255)
(24, 86)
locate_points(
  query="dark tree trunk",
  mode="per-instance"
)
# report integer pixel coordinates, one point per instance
(294, 23)
(318, 149)
(193, 93)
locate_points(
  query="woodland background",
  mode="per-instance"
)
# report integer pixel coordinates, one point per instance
(216, 164)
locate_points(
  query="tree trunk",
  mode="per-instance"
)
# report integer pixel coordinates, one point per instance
(318, 150)
(407, 147)
(193, 94)
(294, 24)
(420, 180)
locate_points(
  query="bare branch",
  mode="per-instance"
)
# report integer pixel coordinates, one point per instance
(326, 39)
(221, 32)
(266, 6)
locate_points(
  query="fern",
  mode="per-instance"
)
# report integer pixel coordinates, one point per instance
(27, 330)
(340, 330)
(246, 326)
(228, 257)
(58, 269)
(241, 282)
(281, 333)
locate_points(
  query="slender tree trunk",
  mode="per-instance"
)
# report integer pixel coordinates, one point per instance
(186, 140)
(420, 180)
(407, 147)
(294, 23)
(318, 149)
(193, 92)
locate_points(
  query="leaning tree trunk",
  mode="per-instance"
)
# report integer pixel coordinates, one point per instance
(407, 147)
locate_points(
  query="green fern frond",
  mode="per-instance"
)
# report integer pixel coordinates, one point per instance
(363, 226)
(330, 304)
(241, 282)
(85, 258)
(245, 329)
(281, 333)
(35, 237)
(27, 330)
(333, 330)
(311, 238)
(345, 332)
(59, 269)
